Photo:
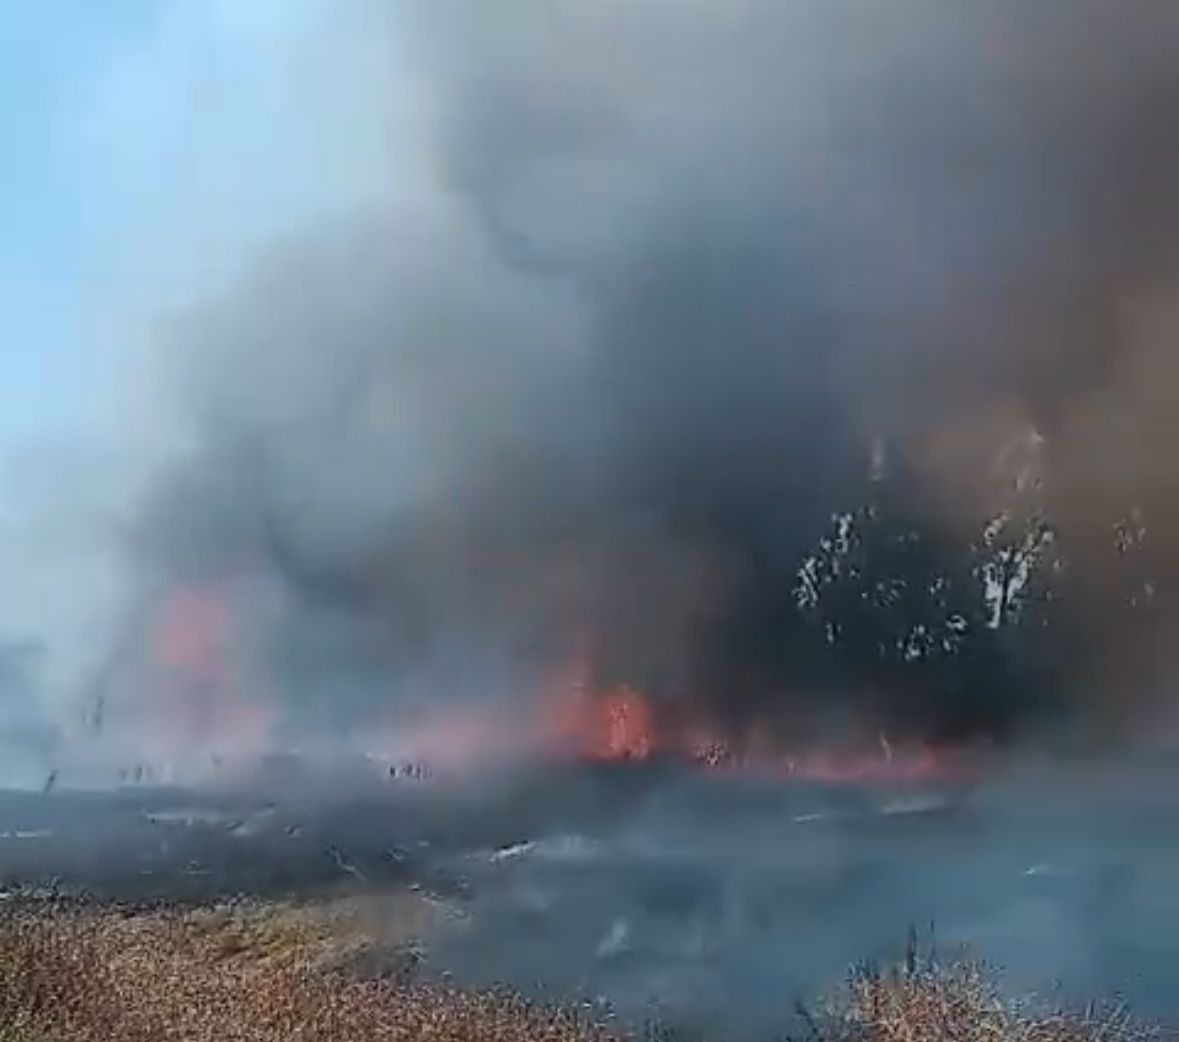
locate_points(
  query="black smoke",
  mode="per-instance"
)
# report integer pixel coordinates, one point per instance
(695, 279)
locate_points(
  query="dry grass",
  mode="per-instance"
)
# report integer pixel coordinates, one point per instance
(254, 974)
(230, 975)
(957, 1002)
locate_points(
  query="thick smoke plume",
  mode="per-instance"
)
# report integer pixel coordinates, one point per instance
(666, 284)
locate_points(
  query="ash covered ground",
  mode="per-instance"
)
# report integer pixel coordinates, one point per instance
(700, 898)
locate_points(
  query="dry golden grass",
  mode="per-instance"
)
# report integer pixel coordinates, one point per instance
(249, 973)
(230, 975)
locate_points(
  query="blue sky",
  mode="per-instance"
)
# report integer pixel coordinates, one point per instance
(150, 149)
(52, 53)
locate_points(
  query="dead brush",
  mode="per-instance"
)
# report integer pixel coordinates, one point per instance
(926, 1000)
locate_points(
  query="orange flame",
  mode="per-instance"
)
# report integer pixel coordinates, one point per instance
(624, 728)
(620, 724)
(197, 684)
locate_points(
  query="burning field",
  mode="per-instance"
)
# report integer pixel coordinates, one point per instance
(716, 904)
(610, 506)
(584, 862)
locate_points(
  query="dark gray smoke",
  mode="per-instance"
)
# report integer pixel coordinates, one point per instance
(677, 269)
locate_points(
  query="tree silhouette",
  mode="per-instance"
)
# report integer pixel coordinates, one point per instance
(898, 606)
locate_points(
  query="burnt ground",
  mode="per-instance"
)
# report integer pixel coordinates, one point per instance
(290, 837)
(682, 894)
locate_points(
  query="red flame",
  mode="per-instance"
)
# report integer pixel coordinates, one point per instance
(620, 724)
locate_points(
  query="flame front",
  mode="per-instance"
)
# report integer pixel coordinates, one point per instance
(200, 704)
(621, 724)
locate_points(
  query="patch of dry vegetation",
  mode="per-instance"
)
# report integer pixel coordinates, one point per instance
(957, 1002)
(251, 973)
(240, 974)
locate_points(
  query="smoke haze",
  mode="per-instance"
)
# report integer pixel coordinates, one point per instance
(460, 333)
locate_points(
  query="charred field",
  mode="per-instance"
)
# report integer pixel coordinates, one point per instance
(715, 904)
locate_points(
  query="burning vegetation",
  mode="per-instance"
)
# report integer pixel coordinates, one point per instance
(621, 725)
(752, 389)
(205, 713)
